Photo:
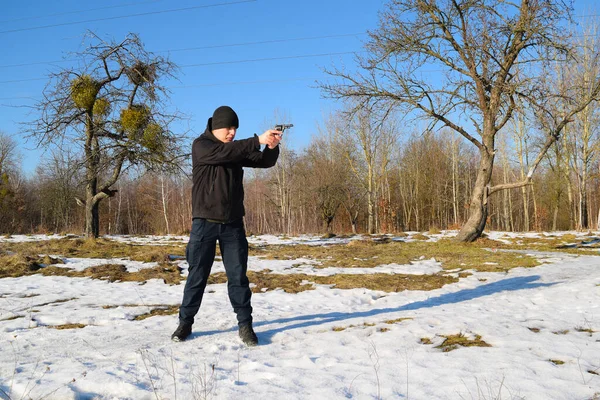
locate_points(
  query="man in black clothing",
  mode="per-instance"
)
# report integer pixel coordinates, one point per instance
(217, 215)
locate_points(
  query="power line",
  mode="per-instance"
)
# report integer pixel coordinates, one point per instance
(242, 83)
(18, 98)
(261, 42)
(77, 11)
(35, 63)
(139, 14)
(197, 85)
(128, 16)
(221, 63)
(24, 80)
(265, 59)
(218, 46)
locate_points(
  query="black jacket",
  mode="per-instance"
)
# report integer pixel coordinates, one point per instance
(217, 191)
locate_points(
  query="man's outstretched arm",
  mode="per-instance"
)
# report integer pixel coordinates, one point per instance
(268, 157)
(214, 153)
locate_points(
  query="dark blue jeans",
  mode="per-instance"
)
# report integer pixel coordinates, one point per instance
(200, 254)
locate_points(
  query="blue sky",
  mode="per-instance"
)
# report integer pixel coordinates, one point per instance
(257, 90)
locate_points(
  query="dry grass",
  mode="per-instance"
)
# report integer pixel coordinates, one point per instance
(18, 259)
(364, 325)
(556, 362)
(13, 318)
(552, 243)
(169, 273)
(386, 282)
(426, 340)
(295, 283)
(99, 248)
(395, 321)
(19, 265)
(160, 310)
(453, 342)
(589, 331)
(54, 302)
(67, 326)
(15, 265)
(434, 231)
(369, 253)
(359, 253)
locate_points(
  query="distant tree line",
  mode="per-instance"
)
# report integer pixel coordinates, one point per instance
(342, 182)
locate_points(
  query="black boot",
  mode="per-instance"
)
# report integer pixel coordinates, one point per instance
(182, 332)
(247, 335)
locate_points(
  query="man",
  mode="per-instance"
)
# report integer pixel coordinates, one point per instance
(217, 215)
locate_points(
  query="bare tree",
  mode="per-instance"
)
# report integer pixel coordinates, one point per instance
(283, 183)
(365, 140)
(584, 143)
(8, 153)
(58, 183)
(522, 139)
(328, 175)
(112, 107)
(8, 175)
(485, 54)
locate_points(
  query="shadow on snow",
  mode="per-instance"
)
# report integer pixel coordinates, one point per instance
(303, 321)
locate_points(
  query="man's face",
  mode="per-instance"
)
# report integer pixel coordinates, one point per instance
(225, 135)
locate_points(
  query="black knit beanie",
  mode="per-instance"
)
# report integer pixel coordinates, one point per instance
(224, 117)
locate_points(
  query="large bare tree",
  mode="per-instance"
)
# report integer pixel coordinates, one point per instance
(462, 64)
(110, 107)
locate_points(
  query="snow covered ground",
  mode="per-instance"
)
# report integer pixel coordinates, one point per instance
(542, 323)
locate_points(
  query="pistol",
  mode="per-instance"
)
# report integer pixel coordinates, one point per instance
(283, 127)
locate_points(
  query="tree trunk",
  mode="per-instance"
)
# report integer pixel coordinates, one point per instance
(118, 215)
(506, 206)
(525, 195)
(454, 181)
(583, 204)
(478, 208)
(353, 220)
(536, 219)
(370, 202)
(370, 212)
(92, 219)
(327, 224)
(164, 194)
